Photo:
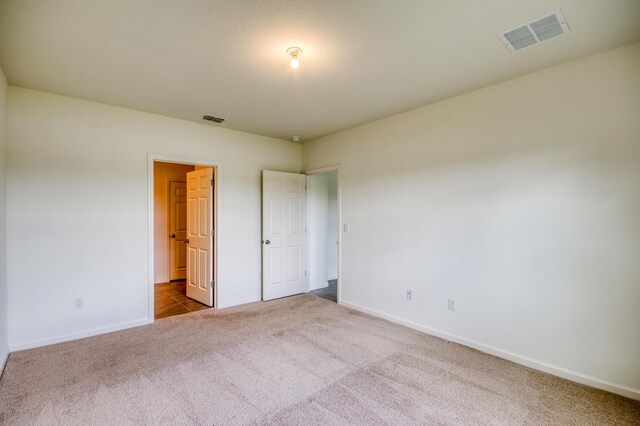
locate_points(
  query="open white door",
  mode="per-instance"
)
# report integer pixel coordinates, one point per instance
(200, 236)
(283, 234)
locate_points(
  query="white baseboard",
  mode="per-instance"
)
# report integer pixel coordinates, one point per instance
(518, 359)
(3, 361)
(238, 302)
(77, 335)
(102, 330)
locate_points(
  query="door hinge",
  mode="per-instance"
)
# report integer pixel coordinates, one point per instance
(213, 233)
(213, 283)
(212, 182)
(305, 273)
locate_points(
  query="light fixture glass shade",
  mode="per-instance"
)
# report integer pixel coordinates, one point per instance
(294, 52)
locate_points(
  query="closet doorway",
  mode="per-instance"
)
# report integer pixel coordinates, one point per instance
(322, 234)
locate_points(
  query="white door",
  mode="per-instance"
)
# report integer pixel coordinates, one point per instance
(283, 234)
(200, 236)
(177, 230)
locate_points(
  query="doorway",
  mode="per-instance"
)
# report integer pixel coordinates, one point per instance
(184, 246)
(322, 234)
(300, 238)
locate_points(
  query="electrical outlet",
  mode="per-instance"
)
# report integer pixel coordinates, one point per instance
(79, 302)
(452, 304)
(409, 294)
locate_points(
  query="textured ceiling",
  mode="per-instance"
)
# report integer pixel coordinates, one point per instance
(362, 60)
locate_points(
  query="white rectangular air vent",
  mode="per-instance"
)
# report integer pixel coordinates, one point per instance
(534, 32)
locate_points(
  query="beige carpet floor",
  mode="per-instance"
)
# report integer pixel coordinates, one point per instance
(300, 361)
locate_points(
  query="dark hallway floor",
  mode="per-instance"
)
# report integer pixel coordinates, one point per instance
(171, 299)
(329, 293)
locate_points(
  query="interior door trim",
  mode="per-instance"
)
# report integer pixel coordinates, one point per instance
(218, 220)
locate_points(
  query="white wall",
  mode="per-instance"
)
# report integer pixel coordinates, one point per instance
(332, 225)
(318, 196)
(78, 219)
(521, 201)
(163, 174)
(4, 346)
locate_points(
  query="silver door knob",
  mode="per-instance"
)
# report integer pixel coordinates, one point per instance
(267, 242)
(172, 236)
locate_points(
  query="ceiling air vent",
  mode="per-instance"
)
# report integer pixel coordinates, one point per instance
(213, 118)
(534, 32)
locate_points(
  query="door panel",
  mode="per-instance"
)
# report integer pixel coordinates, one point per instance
(276, 216)
(199, 234)
(283, 232)
(177, 230)
(294, 216)
(294, 262)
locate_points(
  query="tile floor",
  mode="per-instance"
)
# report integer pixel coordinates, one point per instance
(171, 299)
(328, 293)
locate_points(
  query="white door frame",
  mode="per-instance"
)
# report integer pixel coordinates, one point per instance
(315, 171)
(151, 159)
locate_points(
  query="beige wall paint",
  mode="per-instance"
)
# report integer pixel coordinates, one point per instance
(4, 346)
(521, 201)
(163, 174)
(88, 163)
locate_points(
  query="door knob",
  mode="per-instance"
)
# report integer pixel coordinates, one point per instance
(186, 241)
(172, 236)
(267, 242)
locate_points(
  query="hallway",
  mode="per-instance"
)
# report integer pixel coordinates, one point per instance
(171, 299)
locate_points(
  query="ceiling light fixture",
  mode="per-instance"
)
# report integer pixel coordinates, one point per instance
(296, 138)
(294, 52)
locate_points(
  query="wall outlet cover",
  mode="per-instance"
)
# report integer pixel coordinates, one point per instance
(451, 304)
